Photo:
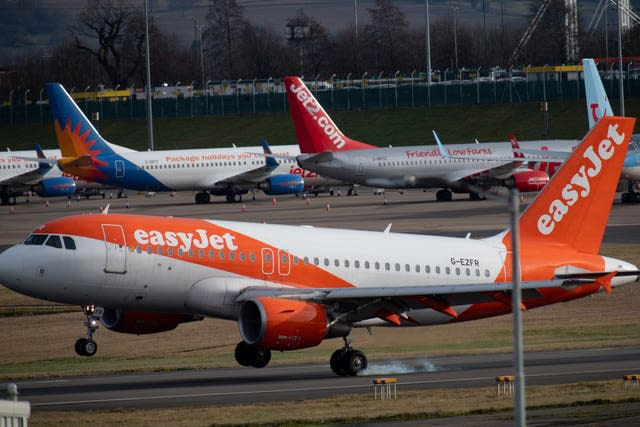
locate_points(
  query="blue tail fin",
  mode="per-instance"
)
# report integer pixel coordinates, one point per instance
(75, 133)
(597, 102)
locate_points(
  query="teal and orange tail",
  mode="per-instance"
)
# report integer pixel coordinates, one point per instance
(315, 131)
(573, 209)
(75, 133)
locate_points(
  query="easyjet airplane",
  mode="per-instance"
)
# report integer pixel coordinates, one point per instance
(291, 287)
(329, 152)
(229, 172)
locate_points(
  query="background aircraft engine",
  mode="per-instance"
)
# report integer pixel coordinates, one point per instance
(55, 187)
(142, 322)
(282, 184)
(282, 324)
(526, 181)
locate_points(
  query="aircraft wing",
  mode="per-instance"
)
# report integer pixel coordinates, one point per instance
(258, 174)
(392, 302)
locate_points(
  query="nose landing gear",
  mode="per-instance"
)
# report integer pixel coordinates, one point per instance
(87, 346)
(347, 361)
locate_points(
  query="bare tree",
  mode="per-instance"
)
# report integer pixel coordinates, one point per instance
(265, 53)
(113, 32)
(387, 34)
(223, 36)
(313, 45)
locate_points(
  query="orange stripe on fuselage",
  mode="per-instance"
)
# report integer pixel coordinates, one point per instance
(218, 239)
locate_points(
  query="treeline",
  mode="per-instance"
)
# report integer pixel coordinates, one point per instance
(106, 45)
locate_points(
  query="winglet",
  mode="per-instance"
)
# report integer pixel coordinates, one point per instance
(443, 152)
(268, 154)
(106, 209)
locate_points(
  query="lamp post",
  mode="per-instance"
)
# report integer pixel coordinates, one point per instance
(238, 94)
(148, 86)
(175, 94)
(478, 85)
(380, 89)
(455, 37)
(131, 96)
(115, 89)
(222, 97)
(348, 97)
(269, 93)
(86, 100)
(620, 81)
(253, 87)
(364, 103)
(206, 86)
(444, 86)
(11, 106)
(413, 101)
(40, 104)
(100, 87)
(26, 100)
(333, 76)
(199, 28)
(545, 106)
(395, 78)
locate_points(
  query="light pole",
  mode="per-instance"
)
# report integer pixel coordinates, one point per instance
(176, 93)
(348, 97)
(455, 37)
(131, 96)
(364, 103)
(199, 28)
(444, 86)
(395, 78)
(545, 106)
(148, 86)
(26, 100)
(100, 88)
(380, 89)
(413, 101)
(207, 95)
(11, 106)
(253, 86)
(620, 80)
(428, 51)
(478, 85)
(222, 97)
(269, 93)
(333, 76)
(238, 94)
(40, 104)
(86, 100)
(115, 89)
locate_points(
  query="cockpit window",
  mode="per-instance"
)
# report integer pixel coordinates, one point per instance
(69, 243)
(54, 241)
(36, 239)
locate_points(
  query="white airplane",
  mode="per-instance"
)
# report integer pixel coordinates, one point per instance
(462, 168)
(231, 172)
(291, 287)
(20, 172)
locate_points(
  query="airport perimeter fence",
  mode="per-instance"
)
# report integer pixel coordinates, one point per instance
(252, 98)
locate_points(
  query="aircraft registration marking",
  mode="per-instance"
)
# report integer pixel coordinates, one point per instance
(465, 262)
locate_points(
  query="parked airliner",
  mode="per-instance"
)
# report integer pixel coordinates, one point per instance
(291, 287)
(330, 153)
(229, 172)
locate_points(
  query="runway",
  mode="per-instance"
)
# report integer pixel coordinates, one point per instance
(297, 382)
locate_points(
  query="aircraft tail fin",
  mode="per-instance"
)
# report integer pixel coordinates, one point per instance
(573, 207)
(597, 102)
(315, 131)
(75, 133)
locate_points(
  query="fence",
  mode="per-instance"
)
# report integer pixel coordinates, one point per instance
(256, 98)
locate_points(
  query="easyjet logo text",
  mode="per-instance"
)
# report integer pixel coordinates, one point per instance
(580, 185)
(318, 115)
(200, 239)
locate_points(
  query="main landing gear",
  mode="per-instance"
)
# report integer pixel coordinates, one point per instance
(250, 355)
(87, 346)
(444, 195)
(347, 361)
(203, 197)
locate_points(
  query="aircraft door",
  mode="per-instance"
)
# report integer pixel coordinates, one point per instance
(119, 168)
(361, 168)
(116, 249)
(284, 262)
(268, 262)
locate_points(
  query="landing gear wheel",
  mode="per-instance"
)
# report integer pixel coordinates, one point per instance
(477, 196)
(443, 195)
(354, 361)
(203, 197)
(336, 362)
(86, 347)
(249, 355)
(122, 195)
(261, 358)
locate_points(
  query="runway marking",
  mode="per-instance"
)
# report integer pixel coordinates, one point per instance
(293, 390)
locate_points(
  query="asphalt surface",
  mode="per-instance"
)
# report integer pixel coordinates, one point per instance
(295, 382)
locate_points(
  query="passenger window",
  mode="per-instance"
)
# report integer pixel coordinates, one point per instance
(36, 239)
(241, 256)
(295, 260)
(397, 266)
(478, 272)
(387, 266)
(326, 262)
(221, 256)
(159, 250)
(457, 271)
(149, 250)
(170, 251)
(336, 262)
(366, 265)
(447, 270)
(211, 254)
(190, 252)
(200, 253)
(232, 256)
(357, 264)
(407, 267)
(346, 263)
(438, 269)
(69, 243)
(252, 257)
(180, 252)
(486, 273)
(468, 272)
(427, 269)
(316, 261)
(54, 241)
(306, 260)
(417, 268)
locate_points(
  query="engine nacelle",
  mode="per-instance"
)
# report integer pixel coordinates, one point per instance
(282, 184)
(282, 324)
(55, 187)
(527, 181)
(142, 322)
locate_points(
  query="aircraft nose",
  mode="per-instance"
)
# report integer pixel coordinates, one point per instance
(11, 268)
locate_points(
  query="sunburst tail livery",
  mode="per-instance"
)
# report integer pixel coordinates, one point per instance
(291, 287)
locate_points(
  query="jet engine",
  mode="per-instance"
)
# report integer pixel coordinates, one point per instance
(282, 184)
(55, 187)
(142, 322)
(283, 324)
(527, 181)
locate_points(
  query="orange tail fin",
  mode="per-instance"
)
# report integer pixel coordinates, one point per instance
(315, 131)
(574, 207)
